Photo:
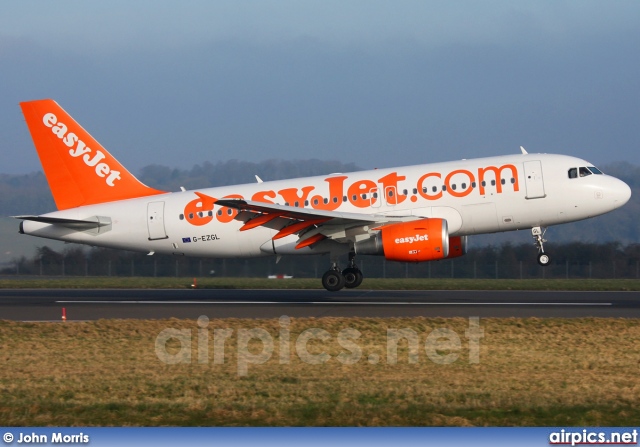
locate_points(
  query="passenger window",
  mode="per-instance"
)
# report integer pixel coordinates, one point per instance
(464, 186)
(573, 173)
(503, 181)
(453, 186)
(584, 172)
(415, 190)
(306, 203)
(493, 183)
(181, 216)
(335, 200)
(326, 200)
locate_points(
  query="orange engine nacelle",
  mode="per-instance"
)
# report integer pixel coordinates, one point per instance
(415, 241)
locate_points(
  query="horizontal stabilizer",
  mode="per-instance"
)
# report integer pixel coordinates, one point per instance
(75, 224)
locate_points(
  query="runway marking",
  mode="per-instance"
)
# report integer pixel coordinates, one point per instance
(332, 303)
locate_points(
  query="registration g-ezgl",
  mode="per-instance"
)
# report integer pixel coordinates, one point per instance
(205, 238)
(409, 214)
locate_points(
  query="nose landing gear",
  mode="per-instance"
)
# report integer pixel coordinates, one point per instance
(538, 237)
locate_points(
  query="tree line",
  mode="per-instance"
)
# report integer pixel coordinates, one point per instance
(570, 260)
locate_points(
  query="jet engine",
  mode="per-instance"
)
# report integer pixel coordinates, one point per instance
(415, 241)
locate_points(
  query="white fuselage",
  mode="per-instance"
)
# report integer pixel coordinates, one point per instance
(475, 196)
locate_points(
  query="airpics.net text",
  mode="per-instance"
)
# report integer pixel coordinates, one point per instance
(441, 346)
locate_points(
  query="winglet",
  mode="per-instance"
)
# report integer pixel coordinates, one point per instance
(79, 170)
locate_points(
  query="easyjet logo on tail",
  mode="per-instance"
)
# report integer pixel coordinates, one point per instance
(79, 149)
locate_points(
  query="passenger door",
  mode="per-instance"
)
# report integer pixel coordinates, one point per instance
(155, 221)
(533, 179)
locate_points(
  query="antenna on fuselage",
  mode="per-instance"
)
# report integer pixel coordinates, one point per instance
(524, 151)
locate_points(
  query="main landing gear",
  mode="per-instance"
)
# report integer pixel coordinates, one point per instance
(538, 237)
(334, 279)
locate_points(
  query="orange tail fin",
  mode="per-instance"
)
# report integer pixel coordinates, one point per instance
(79, 170)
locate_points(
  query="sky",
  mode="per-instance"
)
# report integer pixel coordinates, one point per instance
(377, 83)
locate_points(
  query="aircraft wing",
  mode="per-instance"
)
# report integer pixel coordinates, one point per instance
(310, 225)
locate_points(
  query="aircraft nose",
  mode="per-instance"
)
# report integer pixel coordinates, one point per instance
(621, 193)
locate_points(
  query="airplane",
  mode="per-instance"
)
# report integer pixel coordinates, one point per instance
(414, 213)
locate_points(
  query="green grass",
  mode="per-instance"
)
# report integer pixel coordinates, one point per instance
(532, 372)
(82, 282)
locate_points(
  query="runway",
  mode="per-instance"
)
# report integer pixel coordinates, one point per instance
(82, 305)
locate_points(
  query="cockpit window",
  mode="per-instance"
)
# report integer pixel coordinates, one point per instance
(584, 171)
(595, 170)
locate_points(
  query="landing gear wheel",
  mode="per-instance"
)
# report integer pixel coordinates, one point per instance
(352, 277)
(544, 259)
(538, 237)
(333, 280)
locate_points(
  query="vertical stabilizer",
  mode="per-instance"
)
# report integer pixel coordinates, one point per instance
(79, 170)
